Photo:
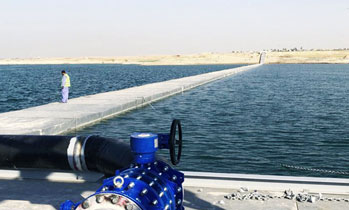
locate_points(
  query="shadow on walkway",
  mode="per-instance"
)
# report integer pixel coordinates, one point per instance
(193, 202)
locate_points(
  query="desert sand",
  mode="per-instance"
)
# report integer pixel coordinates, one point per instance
(329, 56)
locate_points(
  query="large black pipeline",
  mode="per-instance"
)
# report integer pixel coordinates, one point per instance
(92, 153)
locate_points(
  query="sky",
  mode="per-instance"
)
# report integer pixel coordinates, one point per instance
(82, 28)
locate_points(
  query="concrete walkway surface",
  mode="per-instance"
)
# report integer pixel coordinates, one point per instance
(57, 118)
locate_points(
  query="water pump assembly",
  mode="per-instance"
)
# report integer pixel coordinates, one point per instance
(148, 183)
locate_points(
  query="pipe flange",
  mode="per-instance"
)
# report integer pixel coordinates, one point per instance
(107, 201)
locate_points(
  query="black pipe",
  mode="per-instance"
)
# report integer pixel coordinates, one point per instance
(107, 155)
(92, 153)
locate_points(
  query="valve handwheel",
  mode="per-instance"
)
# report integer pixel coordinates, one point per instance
(173, 142)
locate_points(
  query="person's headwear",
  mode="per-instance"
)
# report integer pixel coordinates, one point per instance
(63, 71)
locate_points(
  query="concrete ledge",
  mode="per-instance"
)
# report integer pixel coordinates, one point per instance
(50, 175)
(266, 182)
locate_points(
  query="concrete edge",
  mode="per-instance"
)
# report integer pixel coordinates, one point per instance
(201, 179)
(266, 182)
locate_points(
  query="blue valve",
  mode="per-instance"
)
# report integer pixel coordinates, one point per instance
(144, 146)
(148, 184)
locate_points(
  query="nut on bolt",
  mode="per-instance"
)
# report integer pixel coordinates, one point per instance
(129, 207)
(131, 185)
(99, 198)
(144, 191)
(85, 204)
(114, 199)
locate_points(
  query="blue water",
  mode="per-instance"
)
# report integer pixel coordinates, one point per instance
(255, 121)
(23, 86)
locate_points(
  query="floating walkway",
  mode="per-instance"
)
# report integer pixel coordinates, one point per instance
(56, 118)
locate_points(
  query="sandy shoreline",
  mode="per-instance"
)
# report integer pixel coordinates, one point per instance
(340, 56)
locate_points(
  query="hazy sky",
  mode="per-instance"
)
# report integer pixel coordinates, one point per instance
(73, 28)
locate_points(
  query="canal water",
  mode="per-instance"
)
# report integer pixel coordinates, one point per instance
(255, 122)
(23, 86)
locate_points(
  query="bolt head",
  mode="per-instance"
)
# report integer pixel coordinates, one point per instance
(161, 194)
(131, 185)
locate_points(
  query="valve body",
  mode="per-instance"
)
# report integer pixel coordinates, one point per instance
(148, 184)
